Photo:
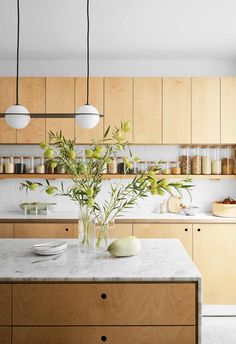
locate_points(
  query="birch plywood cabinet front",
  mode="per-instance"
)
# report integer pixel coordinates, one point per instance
(228, 110)
(177, 110)
(183, 232)
(6, 230)
(206, 110)
(32, 96)
(49, 313)
(60, 93)
(119, 103)
(214, 254)
(147, 120)
(7, 98)
(45, 230)
(96, 99)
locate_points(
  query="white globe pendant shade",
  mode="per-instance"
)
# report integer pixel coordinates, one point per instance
(87, 116)
(20, 120)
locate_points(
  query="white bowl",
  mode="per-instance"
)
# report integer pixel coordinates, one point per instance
(190, 211)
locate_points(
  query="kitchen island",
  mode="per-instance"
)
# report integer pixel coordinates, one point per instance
(90, 297)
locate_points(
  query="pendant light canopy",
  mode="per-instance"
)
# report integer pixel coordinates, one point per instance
(87, 115)
(17, 116)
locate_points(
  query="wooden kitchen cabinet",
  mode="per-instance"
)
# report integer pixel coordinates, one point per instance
(5, 302)
(177, 110)
(45, 230)
(206, 110)
(60, 99)
(7, 98)
(32, 96)
(183, 232)
(96, 99)
(5, 334)
(109, 334)
(147, 118)
(228, 110)
(215, 256)
(119, 103)
(6, 230)
(121, 230)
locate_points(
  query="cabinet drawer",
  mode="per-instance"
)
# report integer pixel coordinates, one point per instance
(112, 335)
(5, 304)
(43, 230)
(6, 230)
(5, 335)
(104, 304)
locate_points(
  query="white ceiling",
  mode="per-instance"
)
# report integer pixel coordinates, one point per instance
(121, 29)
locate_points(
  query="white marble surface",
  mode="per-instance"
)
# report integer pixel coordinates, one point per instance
(159, 260)
(142, 216)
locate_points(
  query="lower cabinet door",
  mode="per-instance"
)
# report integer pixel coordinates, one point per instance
(44, 230)
(5, 335)
(113, 335)
(183, 232)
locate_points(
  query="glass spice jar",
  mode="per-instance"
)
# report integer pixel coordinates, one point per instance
(29, 162)
(9, 165)
(39, 165)
(166, 167)
(185, 160)
(227, 162)
(120, 165)
(1, 164)
(19, 166)
(112, 166)
(206, 160)
(196, 161)
(176, 167)
(216, 165)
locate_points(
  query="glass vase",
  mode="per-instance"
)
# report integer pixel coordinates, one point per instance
(103, 233)
(87, 227)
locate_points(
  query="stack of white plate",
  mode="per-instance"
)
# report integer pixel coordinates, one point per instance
(50, 248)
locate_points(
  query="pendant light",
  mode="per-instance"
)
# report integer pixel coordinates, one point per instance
(17, 116)
(87, 115)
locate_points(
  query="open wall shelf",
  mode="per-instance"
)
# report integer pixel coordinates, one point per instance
(115, 176)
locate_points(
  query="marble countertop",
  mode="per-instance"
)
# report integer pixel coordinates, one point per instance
(159, 260)
(136, 216)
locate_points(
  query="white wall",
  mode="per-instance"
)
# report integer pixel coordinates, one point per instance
(138, 67)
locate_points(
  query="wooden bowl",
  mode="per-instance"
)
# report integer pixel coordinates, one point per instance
(223, 210)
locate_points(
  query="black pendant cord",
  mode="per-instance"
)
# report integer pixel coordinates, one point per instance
(17, 51)
(87, 52)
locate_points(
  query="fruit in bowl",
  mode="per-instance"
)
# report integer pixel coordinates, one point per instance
(225, 208)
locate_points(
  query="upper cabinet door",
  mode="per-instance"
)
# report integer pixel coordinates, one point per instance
(7, 98)
(206, 110)
(96, 99)
(60, 94)
(147, 110)
(228, 110)
(119, 103)
(32, 96)
(176, 110)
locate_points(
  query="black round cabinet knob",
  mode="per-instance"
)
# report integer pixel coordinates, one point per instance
(103, 296)
(103, 338)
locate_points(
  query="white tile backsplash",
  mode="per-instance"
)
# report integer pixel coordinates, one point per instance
(205, 192)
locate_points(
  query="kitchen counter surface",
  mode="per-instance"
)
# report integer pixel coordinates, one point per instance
(133, 217)
(159, 260)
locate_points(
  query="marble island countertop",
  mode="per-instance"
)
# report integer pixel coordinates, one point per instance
(158, 260)
(131, 217)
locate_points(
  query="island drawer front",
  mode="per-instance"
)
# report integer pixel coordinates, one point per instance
(43, 230)
(5, 304)
(104, 304)
(104, 334)
(5, 335)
